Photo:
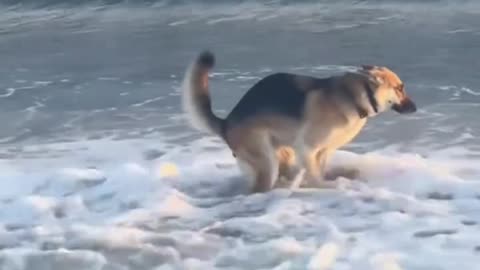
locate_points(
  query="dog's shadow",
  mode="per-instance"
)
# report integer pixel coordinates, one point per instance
(235, 185)
(332, 174)
(344, 172)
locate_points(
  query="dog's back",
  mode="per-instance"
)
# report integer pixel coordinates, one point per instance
(279, 94)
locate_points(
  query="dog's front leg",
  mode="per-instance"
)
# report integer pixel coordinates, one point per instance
(314, 164)
(322, 157)
(313, 153)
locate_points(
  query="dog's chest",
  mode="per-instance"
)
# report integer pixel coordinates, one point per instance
(344, 134)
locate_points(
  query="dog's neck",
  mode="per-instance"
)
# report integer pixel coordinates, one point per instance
(362, 112)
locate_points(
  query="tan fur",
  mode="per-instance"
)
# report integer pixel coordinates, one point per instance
(271, 146)
(325, 128)
(325, 138)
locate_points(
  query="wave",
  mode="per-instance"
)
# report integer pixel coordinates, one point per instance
(28, 13)
(169, 3)
(184, 209)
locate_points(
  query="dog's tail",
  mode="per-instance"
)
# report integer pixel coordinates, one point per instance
(196, 96)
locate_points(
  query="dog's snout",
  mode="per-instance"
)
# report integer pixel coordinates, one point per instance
(406, 106)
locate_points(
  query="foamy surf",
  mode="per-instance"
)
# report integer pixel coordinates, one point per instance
(188, 209)
(98, 170)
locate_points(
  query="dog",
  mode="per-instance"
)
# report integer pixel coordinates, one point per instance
(286, 119)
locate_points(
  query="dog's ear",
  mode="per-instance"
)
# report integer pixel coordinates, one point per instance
(373, 73)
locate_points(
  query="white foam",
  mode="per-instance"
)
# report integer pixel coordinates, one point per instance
(325, 257)
(8, 92)
(187, 209)
(148, 101)
(45, 260)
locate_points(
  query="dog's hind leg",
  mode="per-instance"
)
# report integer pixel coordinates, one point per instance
(262, 161)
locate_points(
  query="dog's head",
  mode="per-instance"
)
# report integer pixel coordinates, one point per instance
(388, 90)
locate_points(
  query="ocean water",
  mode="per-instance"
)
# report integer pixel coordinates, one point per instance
(100, 170)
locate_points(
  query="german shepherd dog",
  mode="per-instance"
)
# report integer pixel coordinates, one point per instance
(285, 118)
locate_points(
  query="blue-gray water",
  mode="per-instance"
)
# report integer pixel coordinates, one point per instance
(104, 76)
(90, 69)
